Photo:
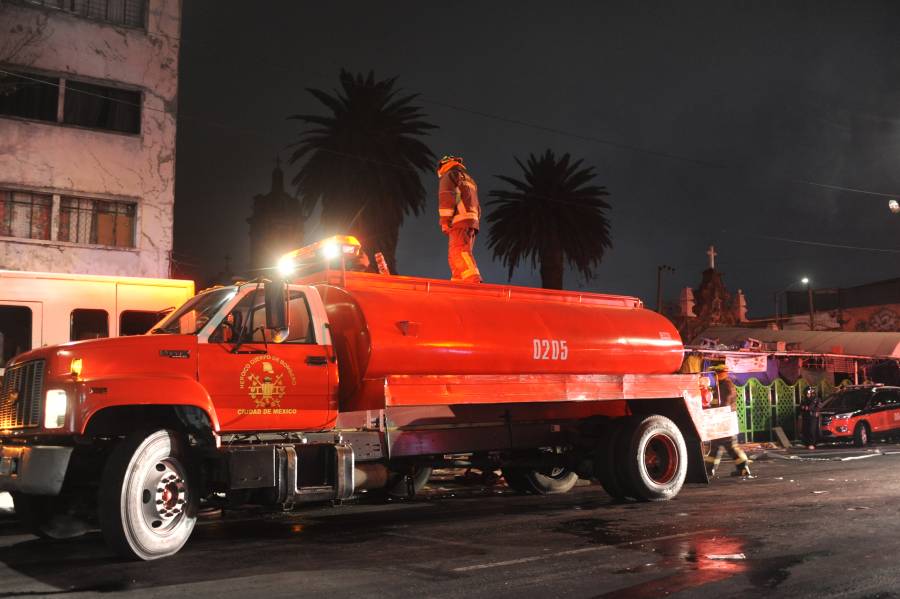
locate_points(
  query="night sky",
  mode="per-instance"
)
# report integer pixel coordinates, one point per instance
(709, 123)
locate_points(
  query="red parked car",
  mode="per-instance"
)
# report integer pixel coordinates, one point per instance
(861, 412)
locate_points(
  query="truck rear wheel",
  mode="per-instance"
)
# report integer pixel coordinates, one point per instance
(653, 458)
(148, 497)
(407, 485)
(547, 481)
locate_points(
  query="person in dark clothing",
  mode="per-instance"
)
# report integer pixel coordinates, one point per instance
(809, 417)
(727, 397)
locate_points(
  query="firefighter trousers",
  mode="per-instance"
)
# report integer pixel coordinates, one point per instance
(459, 255)
(730, 445)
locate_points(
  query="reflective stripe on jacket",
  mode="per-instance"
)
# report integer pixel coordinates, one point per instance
(458, 199)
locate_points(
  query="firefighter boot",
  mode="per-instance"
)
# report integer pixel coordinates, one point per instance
(742, 469)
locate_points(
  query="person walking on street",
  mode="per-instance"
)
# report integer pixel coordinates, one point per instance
(459, 213)
(727, 397)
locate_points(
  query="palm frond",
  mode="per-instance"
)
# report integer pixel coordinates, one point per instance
(553, 212)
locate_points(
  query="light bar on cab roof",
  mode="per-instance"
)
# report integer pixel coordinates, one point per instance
(322, 251)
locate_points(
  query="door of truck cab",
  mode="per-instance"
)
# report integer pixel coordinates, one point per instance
(256, 384)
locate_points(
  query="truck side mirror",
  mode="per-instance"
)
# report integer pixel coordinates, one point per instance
(276, 305)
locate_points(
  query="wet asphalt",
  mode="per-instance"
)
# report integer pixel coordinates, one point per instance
(813, 525)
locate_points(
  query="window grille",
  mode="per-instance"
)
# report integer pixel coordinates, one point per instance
(96, 222)
(102, 107)
(118, 12)
(35, 96)
(24, 214)
(29, 96)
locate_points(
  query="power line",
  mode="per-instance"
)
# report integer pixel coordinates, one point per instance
(608, 142)
(829, 245)
(539, 127)
(851, 189)
(483, 114)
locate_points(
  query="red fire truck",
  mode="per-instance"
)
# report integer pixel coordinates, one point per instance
(282, 393)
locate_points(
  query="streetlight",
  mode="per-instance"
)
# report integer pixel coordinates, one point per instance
(803, 281)
(659, 271)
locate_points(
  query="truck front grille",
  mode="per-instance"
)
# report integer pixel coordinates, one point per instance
(20, 395)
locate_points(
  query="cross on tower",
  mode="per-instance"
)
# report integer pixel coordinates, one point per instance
(711, 252)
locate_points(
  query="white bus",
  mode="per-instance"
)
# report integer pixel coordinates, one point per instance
(40, 308)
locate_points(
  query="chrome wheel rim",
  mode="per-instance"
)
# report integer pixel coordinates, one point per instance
(164, 496)
(661, 459)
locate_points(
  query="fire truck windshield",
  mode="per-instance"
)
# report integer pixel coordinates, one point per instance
(194, 313)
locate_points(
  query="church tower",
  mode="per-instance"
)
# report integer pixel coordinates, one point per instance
(711, 304)
(276, 224)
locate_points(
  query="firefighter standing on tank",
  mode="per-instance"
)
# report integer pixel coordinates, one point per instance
(459, 213)
(727, 397)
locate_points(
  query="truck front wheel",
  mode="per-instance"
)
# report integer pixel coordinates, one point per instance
(148, 497)
(654, 458)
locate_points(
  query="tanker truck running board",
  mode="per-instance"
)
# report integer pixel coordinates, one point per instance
(325, 382)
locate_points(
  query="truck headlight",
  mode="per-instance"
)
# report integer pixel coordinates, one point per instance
(55, 407)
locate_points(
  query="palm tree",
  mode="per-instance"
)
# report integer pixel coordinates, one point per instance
(363, 160)
(555, 215)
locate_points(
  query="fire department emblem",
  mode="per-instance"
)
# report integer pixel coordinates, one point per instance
(266, 379)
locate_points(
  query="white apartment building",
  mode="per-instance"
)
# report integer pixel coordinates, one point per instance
(88, 92)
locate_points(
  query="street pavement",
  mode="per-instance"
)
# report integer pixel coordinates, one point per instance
(820, 523)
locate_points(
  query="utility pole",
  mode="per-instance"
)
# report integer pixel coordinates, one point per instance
(659, 271)
(777, 308)
(812, 313)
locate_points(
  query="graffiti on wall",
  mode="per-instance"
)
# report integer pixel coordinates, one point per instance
(885, 318)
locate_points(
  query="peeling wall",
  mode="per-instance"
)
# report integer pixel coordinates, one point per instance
(69, 160)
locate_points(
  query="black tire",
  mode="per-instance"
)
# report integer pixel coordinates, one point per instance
(861, 434)
(547, 481)
(148, 496)
(47, 516)
(34, 512)
(653, 458)
(398, 485)
(516, 479)
(606, 463)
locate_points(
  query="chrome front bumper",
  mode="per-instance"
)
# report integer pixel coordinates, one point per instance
(34, 469)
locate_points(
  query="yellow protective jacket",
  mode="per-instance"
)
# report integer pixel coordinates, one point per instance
(458, 200)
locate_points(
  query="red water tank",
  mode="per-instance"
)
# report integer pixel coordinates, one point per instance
(389, 325)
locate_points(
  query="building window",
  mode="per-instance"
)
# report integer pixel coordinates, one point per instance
(15, 331)
(24, 214)
(29, 96)
(88, 324)
(96, 222)
(101, 107)
(34, 96)
(118, 12)
(136, 322)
